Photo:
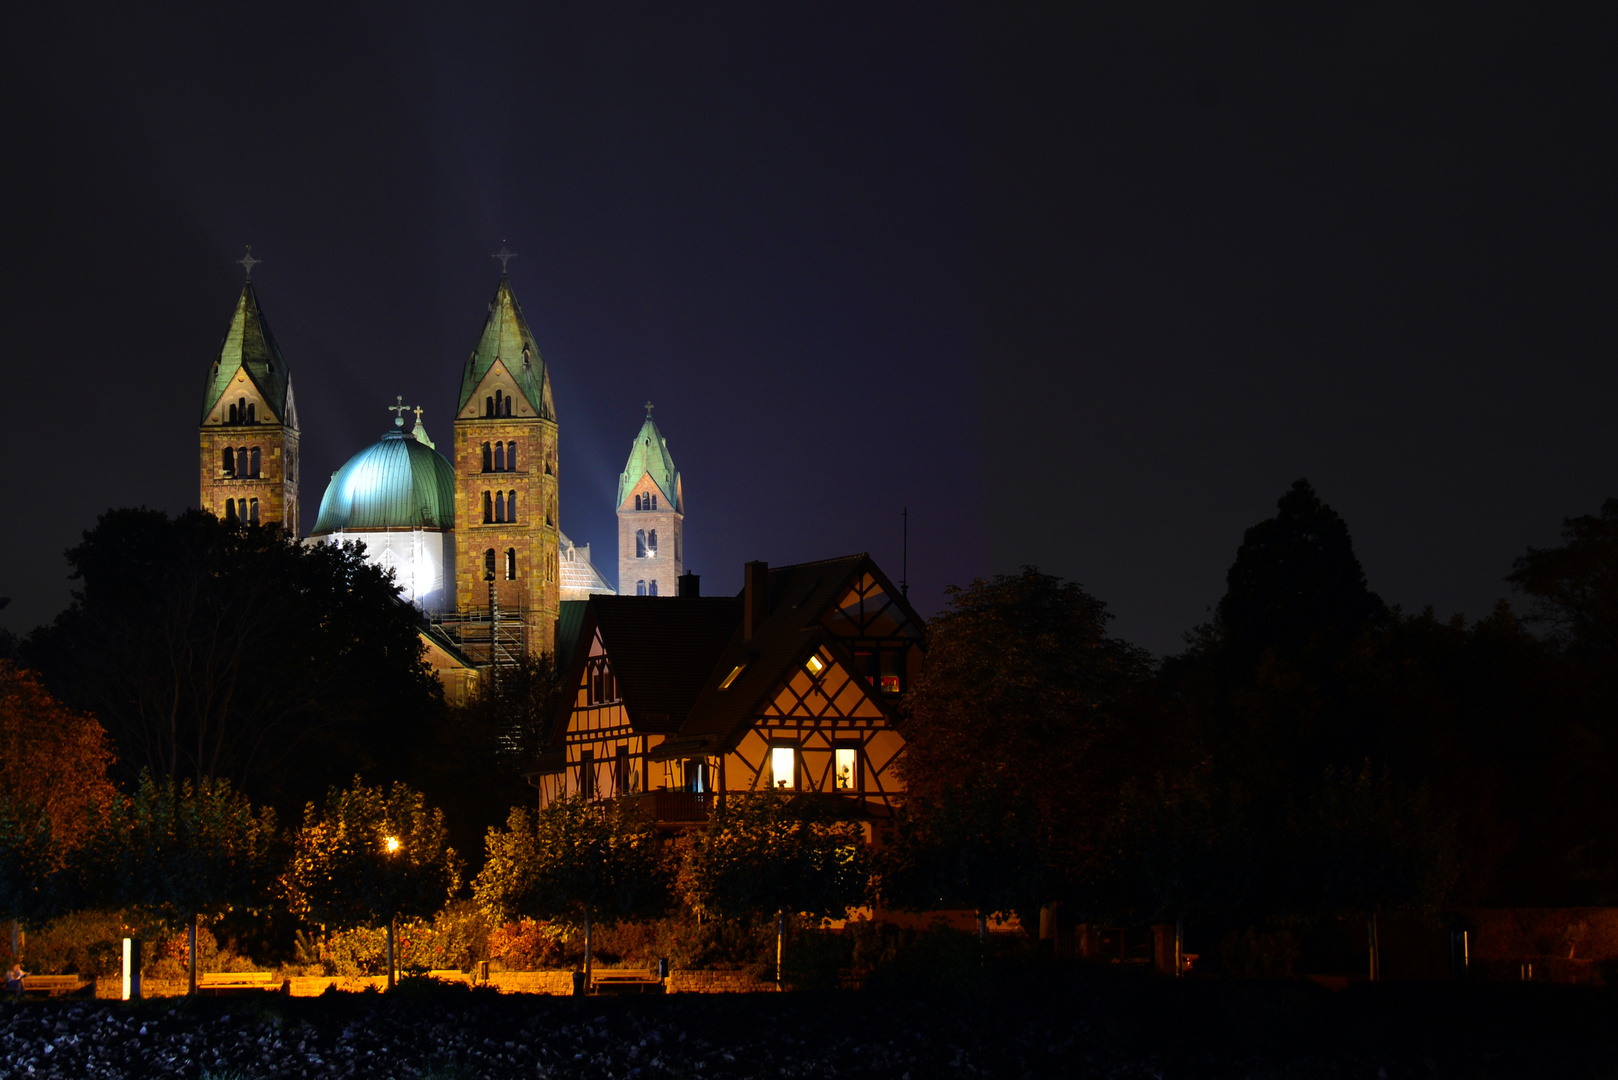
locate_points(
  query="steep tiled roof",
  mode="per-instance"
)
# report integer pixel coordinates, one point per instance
(798, 597)
(506, 338)
(662, 649)
(249, 345)
(650, 456)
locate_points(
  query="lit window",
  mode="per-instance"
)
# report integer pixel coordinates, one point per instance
(734, 672)
(511, 564)
(783, 762)
(651, 544)
(815, 665)
(847, 761)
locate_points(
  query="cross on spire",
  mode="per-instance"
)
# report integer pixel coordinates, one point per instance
(399, 410)
(504, 256)
(418, 415)
(247, 262)
(648, 410)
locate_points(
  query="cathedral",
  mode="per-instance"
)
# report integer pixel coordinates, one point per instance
(472, 535)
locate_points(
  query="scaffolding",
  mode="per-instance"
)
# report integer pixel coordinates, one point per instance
(497, 638)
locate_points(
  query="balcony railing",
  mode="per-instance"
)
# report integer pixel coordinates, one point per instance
(672, 806)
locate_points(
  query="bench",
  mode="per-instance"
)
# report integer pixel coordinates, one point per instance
(216, 982)
(52, 985)
(622, 980)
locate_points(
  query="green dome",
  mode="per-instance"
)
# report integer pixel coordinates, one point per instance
(397, 483)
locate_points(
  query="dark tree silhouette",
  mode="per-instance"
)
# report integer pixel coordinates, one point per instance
(233, 651)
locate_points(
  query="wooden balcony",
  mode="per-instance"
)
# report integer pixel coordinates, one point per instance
(672, 807)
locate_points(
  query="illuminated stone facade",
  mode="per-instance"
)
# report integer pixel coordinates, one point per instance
(651, 518)
(506, 477)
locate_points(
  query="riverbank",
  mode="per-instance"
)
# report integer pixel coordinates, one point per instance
(1052, 1024)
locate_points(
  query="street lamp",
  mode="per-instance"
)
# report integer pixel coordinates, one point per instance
(390, 847)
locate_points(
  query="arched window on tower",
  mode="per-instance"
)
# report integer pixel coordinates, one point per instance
(640, 543)
(640, 588)
(252, 511)
(252, 413)
(488, 406)
(488, 510)
(499, 507)
(499, 457)
(511, 457)
(253, 463)
(233, 412)
(488, 461)
(508, 406)
(511, 564)
(654, 502)
(230, 462)
(637, 502)
(651, 544)
(242, 464)
(230, 511)
(499, 403)
(550, 465)
(488, 562)
(241, 410)
(511, 506)
(651, 587)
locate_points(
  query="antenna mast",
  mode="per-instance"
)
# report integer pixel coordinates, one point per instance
(904, 565)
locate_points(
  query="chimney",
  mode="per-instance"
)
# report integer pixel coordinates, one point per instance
(690, 584)
(755, 597)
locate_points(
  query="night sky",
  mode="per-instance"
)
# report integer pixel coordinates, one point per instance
(1082, 291)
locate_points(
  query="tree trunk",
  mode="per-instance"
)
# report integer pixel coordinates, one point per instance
(1374, 948)
(16, 940)
(587, 930)
(1179, 948)
(191, 956)
(780, 937)
(390, 954)
(983, 928)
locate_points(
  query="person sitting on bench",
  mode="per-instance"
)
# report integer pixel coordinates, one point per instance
(14, 979)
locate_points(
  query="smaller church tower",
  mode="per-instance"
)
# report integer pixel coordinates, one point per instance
(249, 430)
(651, 518)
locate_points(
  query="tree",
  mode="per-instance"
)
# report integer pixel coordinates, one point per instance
(233, 651)
(471, 760)
(1296, 587)
(1366, 845)
(53, 792)
(369, 856)
(767, 853)
(1576, 584)
(1024, 691)
(977, 848)
(575, 862)
(180, 851)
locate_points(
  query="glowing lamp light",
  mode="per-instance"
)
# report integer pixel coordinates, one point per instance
(390, 844)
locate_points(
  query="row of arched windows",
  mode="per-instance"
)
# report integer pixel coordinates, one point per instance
(241, 511)
(499, 507)
(243, 412)
(492, 557)
(645, 543)
(501, 457)
(498, 405)
(646, 502)
(241, 462)
(646, 588)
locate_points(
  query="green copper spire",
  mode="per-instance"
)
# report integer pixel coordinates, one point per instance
(506, 338)
(650, 455)
(250, 346)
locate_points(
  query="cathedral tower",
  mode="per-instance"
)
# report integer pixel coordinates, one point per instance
(250, 424)
(651, 518)
(505, 477)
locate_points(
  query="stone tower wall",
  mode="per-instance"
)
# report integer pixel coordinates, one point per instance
(669, 563)
(275, 487)
(536, 590)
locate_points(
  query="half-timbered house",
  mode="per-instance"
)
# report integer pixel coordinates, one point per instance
(677, 701)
